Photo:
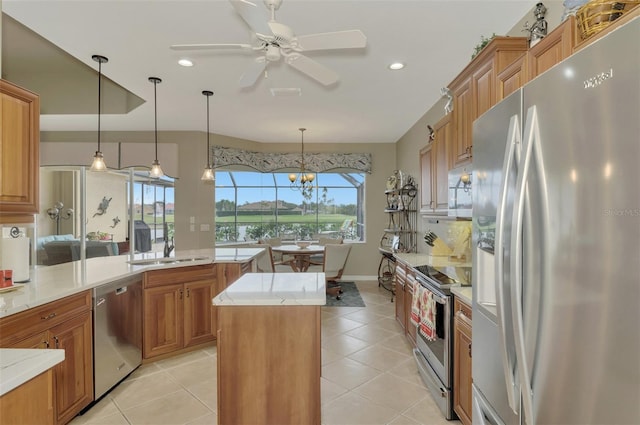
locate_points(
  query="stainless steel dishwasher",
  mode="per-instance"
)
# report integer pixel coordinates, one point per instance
(117, 332)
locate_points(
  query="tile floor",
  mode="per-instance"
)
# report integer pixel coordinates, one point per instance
(368, 377)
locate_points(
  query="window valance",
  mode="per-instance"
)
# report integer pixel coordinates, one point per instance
(267, 162)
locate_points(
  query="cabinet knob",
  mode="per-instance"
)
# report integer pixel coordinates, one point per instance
(181, 294)
(469, 349)
(50, 316)
(57, 341)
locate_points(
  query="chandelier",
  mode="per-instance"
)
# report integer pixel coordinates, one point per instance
(302, 181)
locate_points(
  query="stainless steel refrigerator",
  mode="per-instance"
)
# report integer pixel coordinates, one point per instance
(556, 234)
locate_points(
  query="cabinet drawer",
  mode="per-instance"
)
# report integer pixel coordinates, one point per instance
(156, 278)
(462, 307)
(21, 325)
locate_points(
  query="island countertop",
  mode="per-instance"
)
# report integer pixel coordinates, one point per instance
(51, 283)
(18, 365)
(269, 289)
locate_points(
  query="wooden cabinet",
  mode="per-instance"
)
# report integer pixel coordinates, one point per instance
(400, 283)
(475, 90)
(65, 324)
(177, 309)
(555, 47)
(412, 330)
(269, 365)
(19, 153)
(511, 78)
(434, 168)
(30, 403)
(462, 377)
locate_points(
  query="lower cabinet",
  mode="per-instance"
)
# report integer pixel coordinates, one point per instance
(177, 309)
(64, 324)
(400, 288)
(462, 378)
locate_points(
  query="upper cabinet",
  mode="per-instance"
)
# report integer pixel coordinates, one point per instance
(434, 168)
(478, 87)
(19, 153)
(555, 47)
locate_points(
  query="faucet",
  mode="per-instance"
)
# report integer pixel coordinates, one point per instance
(168, 248)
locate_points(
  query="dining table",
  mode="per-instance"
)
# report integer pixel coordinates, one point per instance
(301, 260)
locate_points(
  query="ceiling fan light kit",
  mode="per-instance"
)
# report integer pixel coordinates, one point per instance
(276, 40)
(156, 171)
(98, 163)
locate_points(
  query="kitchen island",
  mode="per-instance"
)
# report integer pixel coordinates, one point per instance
(269, 349)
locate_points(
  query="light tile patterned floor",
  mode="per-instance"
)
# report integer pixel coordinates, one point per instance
(368, 377)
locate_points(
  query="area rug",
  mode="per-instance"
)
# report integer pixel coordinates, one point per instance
(349, 298)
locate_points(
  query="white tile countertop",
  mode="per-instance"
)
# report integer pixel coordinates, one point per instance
(50, 283)
(19, 365)
(274, 289)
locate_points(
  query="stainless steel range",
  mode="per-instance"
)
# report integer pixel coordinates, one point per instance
(434, 355)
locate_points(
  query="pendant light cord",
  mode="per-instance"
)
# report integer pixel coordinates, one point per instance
(99, 99)
(155, 108)
(208, 148)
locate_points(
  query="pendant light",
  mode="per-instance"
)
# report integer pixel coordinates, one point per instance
(156, 171)
(208, 175)
(98, 160)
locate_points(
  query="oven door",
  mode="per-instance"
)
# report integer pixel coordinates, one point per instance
(438, 352)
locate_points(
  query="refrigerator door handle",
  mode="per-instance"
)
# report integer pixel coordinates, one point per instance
(531, 142)
(506, 339)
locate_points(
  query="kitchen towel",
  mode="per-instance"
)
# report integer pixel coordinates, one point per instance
(427, 315)
(14, 255)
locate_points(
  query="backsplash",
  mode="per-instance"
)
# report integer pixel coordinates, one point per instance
(456, 234)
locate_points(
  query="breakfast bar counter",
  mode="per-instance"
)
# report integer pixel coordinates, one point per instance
(269, 349)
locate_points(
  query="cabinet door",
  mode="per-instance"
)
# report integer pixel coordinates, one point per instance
(163, 320)
(19, 154)
(463, 119)
(73, 378)
(198, 324)
(408, 301)
(511, 78)
(426, 172)
(440, 168)
(462, 377)
(39, 340)
(555, 47)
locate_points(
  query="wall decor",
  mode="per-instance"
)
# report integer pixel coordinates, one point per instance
(116, 220)
(267, 162)
(104, 204)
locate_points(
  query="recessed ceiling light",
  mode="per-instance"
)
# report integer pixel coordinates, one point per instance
(396, 66)
(185, 62)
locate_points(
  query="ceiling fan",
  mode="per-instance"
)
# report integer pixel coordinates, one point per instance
(275, 40)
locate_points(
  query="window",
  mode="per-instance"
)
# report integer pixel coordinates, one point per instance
(253, 205)
(154, 204)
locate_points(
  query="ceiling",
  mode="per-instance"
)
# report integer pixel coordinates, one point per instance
(369, 104)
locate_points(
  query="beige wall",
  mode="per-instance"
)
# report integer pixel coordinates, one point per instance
(196, 199)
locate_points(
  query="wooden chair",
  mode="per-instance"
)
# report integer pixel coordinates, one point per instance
(335, 258)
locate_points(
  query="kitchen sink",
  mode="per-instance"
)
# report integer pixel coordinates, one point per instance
(161, 261)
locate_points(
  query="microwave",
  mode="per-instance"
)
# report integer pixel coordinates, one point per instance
(460, 183)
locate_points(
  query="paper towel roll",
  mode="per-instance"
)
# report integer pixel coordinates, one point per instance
(14, 255)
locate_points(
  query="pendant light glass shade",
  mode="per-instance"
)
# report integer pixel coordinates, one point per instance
(208, 175)
(156, 171)
(98, 163)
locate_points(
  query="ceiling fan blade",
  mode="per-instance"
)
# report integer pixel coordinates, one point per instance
(350, 39)
(313, 69)
(254, 71)
(255, 17)
(210, 47)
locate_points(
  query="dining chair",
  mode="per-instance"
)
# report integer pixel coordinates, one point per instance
(318, 259)
(335, 259)
(264, 263)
